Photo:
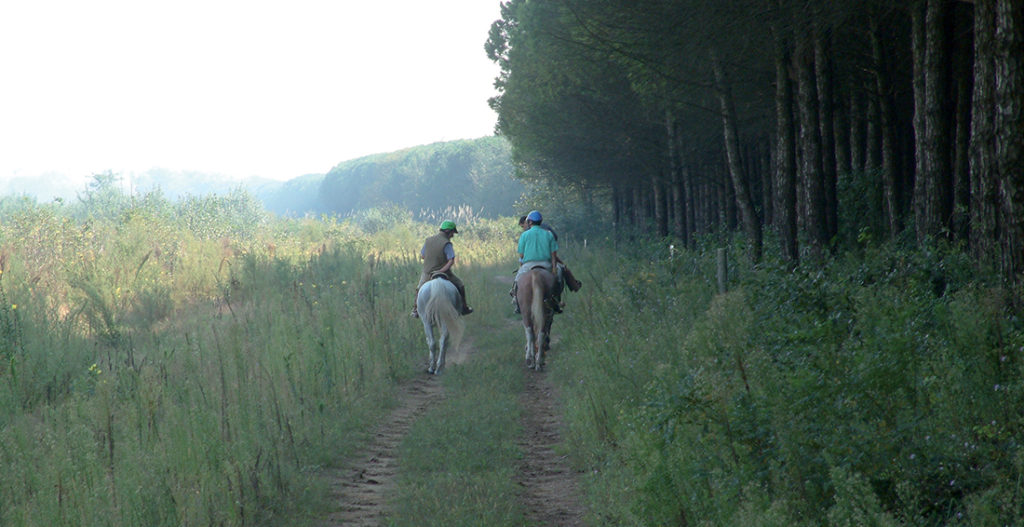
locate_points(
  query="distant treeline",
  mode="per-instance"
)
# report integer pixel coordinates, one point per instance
(477, 172)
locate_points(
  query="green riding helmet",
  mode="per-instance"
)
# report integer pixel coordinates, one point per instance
(449, 225)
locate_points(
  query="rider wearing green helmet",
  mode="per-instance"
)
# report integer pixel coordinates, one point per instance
(438, 257)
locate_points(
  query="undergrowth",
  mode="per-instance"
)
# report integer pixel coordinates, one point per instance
(877, 389)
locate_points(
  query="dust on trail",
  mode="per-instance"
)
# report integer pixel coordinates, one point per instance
(550, 488)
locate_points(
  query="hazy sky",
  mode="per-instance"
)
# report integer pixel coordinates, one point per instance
(239, 87)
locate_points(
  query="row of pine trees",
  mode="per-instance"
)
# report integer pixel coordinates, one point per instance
(821, 122)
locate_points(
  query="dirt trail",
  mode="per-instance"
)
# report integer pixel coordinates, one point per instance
(360, 489)
(550, 488)
(550, 491)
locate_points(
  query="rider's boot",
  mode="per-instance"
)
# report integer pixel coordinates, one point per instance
(465, 305)
(570, 280)
(555, 303)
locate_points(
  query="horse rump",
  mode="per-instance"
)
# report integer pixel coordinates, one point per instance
(534, 288)
(437, 303)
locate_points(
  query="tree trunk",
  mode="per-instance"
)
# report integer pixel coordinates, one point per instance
(984, 183)
(660, 213)
(690, 200)
(744, 200)
(930, 127)
(825, 87)
(872, 136)
(810, 147)
(960, 219)
(1009, 122)
(766, 174)
(634, 205)
(858, 152)
(842, 128)
(674, 180)
(886, 132)
(678, 209)
(785, 156)
(727, 189)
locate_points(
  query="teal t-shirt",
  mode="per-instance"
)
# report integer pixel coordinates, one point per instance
(536, 244)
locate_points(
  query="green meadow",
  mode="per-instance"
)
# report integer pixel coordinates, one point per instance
(202, 363)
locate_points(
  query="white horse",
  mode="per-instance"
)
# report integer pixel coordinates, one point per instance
(439, 304)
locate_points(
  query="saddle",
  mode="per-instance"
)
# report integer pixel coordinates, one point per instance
(439, 274)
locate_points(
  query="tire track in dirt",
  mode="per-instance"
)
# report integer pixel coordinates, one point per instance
(550, 490)
(360, 489)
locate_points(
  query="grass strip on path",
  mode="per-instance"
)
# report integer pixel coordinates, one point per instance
(459, 459)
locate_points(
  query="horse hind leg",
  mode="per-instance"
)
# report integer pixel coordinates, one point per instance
(431, 347)
(539, 361)
(529, 347)
(441, 350)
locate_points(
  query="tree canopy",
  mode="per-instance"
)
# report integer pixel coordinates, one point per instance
(695, 117)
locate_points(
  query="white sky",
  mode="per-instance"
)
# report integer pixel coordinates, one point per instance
(236, 87)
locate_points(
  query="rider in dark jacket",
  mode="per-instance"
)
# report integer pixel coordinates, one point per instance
(438, 256)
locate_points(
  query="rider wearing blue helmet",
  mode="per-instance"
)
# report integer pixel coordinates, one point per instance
(538, 247)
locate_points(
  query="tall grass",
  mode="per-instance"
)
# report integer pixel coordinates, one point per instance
(155, 375)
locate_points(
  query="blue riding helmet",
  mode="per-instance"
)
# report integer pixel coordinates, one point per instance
(534, 216)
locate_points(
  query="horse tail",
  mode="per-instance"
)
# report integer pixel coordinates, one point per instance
(537, 306)
(441, 310)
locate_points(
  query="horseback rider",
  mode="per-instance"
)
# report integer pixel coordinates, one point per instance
(564, 276)
(438, 257)
(538, 247)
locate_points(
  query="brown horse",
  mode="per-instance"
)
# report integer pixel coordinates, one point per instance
(533, 289)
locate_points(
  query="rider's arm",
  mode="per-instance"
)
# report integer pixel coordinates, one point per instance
(449, 252)
(554, 260)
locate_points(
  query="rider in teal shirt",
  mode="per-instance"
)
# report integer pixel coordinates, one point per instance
(537, 248)
(537, 245)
